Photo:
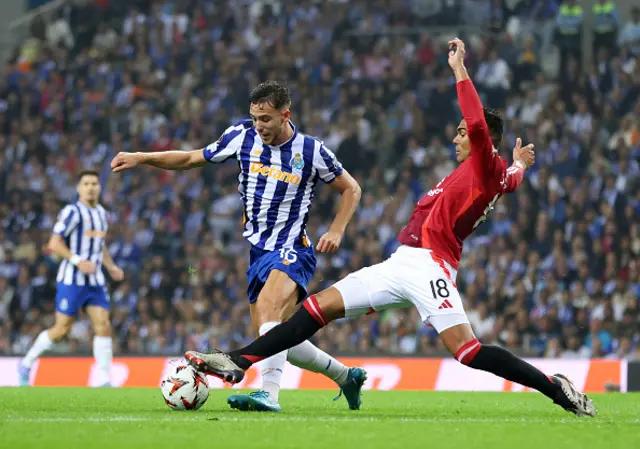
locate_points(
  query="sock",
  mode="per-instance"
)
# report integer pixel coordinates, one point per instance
(43, 343)
(309, 357)
(308, 320)
(103, 353)
(272, 367)
(505, 364)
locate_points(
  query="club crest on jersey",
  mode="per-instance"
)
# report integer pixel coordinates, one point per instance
(297, 162)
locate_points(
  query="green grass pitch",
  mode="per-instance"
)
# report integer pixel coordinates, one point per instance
(54, 418)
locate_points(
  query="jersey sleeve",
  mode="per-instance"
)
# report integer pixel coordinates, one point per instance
(513, 177)
(68, 219)
(484, 159)
(227, 146)
(326, 163)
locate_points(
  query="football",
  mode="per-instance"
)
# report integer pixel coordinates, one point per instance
(185, 389)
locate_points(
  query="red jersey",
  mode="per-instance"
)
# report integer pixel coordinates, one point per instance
(450, 211)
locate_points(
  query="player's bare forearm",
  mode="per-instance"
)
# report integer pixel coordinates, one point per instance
(172, 160)
(461, 73)
(107, 260)
(57, 246)
(350, 192)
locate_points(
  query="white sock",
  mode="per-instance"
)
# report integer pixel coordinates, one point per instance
(43, 343)
(103, 353)
(272, 367)
(309, 357)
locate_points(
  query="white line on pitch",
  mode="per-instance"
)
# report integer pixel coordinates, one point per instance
(203, 418)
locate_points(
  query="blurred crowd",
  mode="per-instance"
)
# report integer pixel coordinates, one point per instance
(554, 272)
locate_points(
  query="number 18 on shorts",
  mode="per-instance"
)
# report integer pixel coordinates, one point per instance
(410, 277)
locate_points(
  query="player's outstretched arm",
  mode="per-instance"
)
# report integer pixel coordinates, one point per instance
(56, 245)
(351, 192)
(482, 157)
(167, 160)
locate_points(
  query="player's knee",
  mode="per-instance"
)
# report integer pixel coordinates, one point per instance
(467, 351)
(267, 309)
(102, 328)
(273, 307)
(59, 331)
(331, 304)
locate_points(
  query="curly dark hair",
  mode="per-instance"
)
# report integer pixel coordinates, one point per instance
(272, 93)
(495, 122)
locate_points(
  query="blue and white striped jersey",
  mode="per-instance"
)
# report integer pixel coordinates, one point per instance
(277, 183)
(84, 230)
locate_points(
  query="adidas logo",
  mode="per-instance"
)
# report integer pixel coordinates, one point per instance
(445, 305)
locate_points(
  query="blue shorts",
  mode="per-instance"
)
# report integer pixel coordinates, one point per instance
(71, 298)
(299, 263)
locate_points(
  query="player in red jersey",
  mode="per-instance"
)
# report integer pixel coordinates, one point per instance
(423, 270)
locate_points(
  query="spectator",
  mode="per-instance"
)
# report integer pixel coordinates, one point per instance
(569, 23)
(606, 26)
(630, 34)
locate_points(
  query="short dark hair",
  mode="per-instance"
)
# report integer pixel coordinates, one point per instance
(84, 173)
(495, 122)
(272, 93)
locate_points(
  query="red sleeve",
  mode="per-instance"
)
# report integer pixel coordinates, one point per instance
(513, 178)
(483, 158)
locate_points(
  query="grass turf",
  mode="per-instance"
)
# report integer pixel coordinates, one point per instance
(138, 418)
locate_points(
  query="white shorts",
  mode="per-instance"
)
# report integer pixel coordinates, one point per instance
(410, 277)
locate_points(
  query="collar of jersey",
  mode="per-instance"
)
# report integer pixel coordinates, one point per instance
(80, 203)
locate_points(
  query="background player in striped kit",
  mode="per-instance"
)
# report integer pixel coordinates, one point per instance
(79, 239)
(279, 169)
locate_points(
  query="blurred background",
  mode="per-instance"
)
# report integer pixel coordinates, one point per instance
(554, 272)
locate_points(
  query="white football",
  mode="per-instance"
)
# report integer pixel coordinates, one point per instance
(185, 389)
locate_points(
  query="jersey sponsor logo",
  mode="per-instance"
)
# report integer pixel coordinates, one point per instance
(297, 162)
(434, 192)
(94, 234)
(257, 152)
(275, 173)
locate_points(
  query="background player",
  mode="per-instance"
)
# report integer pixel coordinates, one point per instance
(279, 169)
(422, 272)
(79, 239)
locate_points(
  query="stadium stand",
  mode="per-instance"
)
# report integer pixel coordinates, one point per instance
(554, 272)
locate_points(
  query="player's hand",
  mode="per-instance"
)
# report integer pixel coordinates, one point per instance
(116, 273)
(456, 53)
(329, 242)
(86, 267)
(123, 161)
(524, 155)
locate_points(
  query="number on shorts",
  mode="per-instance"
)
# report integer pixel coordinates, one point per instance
(440, 287)
(289, 255)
